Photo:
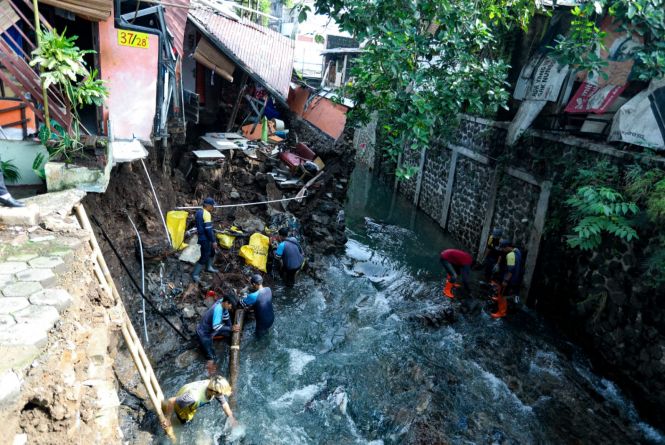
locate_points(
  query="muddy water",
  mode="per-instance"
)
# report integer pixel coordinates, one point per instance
(350, 359)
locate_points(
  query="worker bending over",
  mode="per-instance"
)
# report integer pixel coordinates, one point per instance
(261, 301)
(457, 264)
(216, 322)
(512, 275)
(207, 241)
(194, 395)
(290, 255)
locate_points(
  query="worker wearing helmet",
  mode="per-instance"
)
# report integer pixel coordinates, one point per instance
(512, 276)
(203, 218)
(261, 301)
(194, 395)
(492, 254)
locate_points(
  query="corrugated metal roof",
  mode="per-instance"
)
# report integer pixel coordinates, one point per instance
(265, 54)
(176, 19)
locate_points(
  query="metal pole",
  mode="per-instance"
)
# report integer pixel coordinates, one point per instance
(138, 235)
(159, 207)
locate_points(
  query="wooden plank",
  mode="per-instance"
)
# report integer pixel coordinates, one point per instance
(97, 10)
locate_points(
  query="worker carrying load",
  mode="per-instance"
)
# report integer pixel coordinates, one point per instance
(290, 255)
(512, 275)
(207, 240)
(457, 264)
(194, 395)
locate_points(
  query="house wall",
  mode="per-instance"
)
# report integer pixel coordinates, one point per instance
(131, 76)
(22, 154)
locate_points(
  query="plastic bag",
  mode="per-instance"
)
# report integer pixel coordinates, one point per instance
(176, 222)
(256, 252)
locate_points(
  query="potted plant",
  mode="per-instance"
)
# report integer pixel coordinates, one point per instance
(62, 66)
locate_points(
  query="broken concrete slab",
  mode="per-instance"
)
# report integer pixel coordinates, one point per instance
(43, 317)
(5, 280)
(21, 289)
(59, 203)
(58, 298)
(23, 257)
(49, 262)
(9, 305)
(45, 277)
(11, 267)
(20, 216)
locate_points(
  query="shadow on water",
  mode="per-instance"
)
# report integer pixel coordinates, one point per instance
(350, 360)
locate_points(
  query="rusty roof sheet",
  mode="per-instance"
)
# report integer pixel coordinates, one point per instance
(265, 54)
(176, 19)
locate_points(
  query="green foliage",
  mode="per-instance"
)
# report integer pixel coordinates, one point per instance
(426, 61)
(62, 65)
(10, 171)
(596, 210)
(644, 17)
(38, 165)
(648, 186)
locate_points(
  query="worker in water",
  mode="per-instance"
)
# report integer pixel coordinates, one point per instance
(457, 264)
(261, 301)
(196, 394)
(512, 275)
(206, 237)
(492, 254)
(291, 256)
(216, 322)
(6, 198)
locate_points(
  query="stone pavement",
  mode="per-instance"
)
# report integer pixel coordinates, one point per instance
(30, 300)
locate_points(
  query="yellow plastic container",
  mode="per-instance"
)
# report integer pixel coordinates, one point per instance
(176, 222)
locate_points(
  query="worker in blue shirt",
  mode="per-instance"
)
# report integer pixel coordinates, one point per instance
(216, 322)
(206, 237)
(290, 255)
(261, 301)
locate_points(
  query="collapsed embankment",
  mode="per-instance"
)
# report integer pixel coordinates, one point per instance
(179, 181)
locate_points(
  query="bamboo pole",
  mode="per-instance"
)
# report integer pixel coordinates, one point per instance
(234, 355)
(38, 35)
(129, 334)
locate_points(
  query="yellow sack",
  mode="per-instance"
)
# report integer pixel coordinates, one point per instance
(226, 241)
(256, 252)
(176, 222)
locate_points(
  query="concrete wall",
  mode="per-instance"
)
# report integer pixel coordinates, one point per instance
(22, 154)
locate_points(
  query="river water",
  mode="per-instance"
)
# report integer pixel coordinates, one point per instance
(362, 355)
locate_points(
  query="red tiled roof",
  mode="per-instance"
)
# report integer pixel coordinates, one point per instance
(265, 54)
(176, 19)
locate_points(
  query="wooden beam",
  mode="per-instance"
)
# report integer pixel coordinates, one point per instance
(449, 188)
(489, 213)
(234, 355)
(236, 106)
(536, 234)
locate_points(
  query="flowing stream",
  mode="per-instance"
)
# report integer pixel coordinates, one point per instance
(352, 358)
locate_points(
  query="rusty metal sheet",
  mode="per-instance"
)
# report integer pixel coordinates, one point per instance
(176, 19)
(265, 54)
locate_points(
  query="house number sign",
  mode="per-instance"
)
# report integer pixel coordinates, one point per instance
(132, 38)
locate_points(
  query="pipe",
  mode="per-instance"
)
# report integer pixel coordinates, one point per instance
(138, 235)
(234, 355)
(133, 280)
(159, 207)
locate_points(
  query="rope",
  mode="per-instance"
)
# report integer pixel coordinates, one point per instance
(241, 205)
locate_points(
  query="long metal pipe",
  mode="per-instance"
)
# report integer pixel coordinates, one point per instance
(241, 205)
(138, 235)
(159, 207)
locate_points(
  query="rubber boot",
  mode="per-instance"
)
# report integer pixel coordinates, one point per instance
(209, 267)
(448, 288)
(196, 273)
(502, 307)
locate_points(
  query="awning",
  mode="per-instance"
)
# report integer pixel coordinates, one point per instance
(95, 10)
(213, 59)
